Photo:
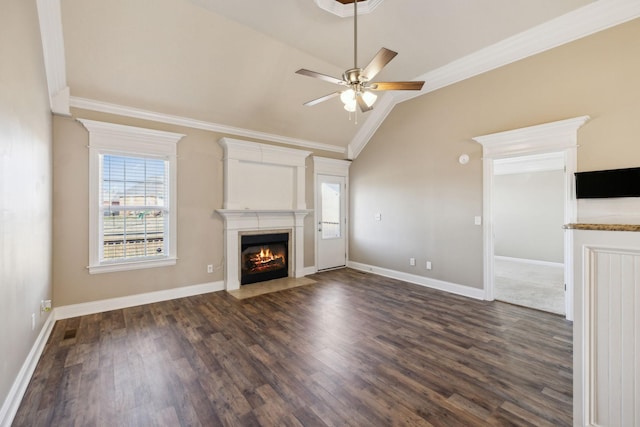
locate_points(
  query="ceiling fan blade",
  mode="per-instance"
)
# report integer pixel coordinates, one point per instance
(363, 105)
(320, 76)
(396, 85)
(382, 58)
(321, 99)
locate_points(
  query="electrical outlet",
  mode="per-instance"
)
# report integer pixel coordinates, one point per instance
(412, 261)
(210, 268)
(428, 265)
(45, 305)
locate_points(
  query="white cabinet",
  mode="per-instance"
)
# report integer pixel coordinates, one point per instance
(606, 328)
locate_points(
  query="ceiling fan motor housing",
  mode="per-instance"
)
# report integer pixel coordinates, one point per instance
(354, 76)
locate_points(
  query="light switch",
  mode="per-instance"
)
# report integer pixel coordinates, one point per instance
(478, 220)
(378, 216)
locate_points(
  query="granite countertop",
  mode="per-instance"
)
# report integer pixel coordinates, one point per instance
(603, 227)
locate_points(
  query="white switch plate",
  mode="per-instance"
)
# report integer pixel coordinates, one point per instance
(412, 261)
(428, 265)
(210, 268)
(378, 216)
(477, 220)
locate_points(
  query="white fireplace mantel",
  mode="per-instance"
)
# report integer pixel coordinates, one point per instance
(264, 191)
(237, 221)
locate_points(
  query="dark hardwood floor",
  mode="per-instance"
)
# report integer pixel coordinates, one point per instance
(354, 349)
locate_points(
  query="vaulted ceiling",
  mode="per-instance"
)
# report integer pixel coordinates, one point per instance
(232, 64)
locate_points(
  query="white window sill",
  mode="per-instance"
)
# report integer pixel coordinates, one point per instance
(131, 265)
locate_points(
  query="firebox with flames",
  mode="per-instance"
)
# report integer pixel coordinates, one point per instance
(264, 260)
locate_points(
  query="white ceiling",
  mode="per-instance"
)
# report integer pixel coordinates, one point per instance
(233, 63)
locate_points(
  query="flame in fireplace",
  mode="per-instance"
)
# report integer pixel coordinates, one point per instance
(266, 255)
(264, 258)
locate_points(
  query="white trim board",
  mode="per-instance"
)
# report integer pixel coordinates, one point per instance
(309, 270)
(529, 261)
(93, 307)
(440, 285)
(50, 20)
(529, 164)
(16, 393)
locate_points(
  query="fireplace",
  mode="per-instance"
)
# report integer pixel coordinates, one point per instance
(249, 210)
(263, 257)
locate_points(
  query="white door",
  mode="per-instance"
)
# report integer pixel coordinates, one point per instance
(331, 222)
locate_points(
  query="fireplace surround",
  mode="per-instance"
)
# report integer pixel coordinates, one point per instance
(264, 192)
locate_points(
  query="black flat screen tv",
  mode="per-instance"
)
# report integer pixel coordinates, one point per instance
(608, 183)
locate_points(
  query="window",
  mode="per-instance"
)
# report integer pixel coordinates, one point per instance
(132, 197)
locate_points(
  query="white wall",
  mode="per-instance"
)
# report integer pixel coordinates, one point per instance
(25, 188)
(528, 215)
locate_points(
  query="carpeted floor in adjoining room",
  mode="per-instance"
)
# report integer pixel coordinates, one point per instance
(530, 285)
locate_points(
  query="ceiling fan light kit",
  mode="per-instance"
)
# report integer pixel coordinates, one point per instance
(358, 80)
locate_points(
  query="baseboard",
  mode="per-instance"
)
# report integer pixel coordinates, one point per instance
(440, 285)
(12, 402)
(13, 399)
(529, 261)
(309, 270)
(92, 307)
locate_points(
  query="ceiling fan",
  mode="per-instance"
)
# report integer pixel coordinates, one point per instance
(359, 87)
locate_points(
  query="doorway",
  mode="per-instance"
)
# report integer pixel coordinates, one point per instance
(331, 178)
(554, 137)
(528, 215)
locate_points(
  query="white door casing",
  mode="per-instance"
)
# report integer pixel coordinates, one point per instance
(560, 136)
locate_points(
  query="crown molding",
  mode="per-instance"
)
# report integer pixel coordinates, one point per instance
(346, 10)
(50, 20)
(587, 20)
(590, 19)
(121, 110)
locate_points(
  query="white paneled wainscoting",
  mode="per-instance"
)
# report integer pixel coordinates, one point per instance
(607, 328)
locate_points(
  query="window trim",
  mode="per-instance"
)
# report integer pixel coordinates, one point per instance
(110, 138)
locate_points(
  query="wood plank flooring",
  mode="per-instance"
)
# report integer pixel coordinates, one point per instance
(354, 349)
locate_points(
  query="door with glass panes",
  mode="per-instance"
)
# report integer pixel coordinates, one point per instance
(331, 222)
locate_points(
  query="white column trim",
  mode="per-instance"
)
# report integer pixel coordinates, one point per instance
(50, 19)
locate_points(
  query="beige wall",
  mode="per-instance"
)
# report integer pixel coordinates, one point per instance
(537, 200)
(409, 170)
(25, 187)
(200, 229)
